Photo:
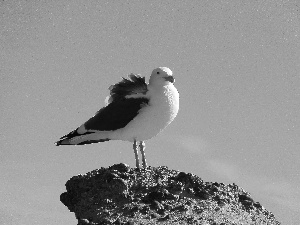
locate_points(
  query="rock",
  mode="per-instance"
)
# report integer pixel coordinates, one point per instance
(123, 195)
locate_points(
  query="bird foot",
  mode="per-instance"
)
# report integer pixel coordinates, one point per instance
(137, 163)
(142, 149)
(141, 146)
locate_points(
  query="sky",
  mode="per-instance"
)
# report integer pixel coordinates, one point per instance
(236, 65)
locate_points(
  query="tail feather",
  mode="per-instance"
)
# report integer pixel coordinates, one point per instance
(74, 138)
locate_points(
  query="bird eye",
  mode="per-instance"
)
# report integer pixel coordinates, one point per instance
(157, 72)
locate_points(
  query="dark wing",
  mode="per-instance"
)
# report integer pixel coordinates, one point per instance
(135, 84)
(120, 110)
(114, 116)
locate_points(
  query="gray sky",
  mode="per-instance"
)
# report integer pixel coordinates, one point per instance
(237, 70)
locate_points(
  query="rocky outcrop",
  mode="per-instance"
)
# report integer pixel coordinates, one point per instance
(123, 195)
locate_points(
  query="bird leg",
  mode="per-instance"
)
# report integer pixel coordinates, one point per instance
(142, 149)
(137, 163)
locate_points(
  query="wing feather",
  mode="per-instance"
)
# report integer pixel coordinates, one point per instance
(112, 117)
(134, 84)
(116, 115)
(120, 110)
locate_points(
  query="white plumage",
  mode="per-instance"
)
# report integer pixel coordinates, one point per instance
(135, 112)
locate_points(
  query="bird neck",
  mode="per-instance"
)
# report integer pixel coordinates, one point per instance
(159, 83)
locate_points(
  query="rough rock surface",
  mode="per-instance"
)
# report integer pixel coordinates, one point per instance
(123, 195)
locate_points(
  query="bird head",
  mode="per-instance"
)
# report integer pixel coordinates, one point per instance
(161, 75)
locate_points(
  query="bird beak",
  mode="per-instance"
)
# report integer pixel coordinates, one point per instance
(170, 79)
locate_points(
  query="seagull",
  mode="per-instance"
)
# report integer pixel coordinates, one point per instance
(135, 111)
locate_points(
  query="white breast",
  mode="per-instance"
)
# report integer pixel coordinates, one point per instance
(152, 119)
